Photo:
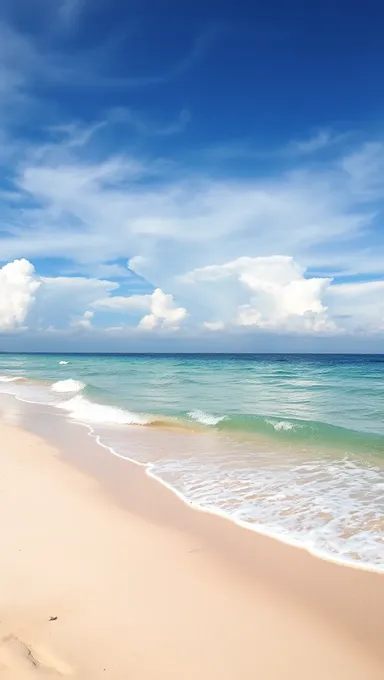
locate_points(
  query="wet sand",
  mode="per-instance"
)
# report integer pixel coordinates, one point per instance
(144, 586)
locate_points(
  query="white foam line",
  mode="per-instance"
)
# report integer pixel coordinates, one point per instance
(256, 528)
(260, 529)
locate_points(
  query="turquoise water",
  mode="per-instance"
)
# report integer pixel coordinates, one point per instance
(292, 445)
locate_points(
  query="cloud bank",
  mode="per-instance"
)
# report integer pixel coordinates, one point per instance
(278, 296)
(260, 294)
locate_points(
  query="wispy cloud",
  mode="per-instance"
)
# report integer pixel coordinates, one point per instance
(28, 61)
(98, 210)
(251, 150)
(320, 140)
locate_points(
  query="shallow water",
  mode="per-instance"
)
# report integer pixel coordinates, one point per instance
(290, 444)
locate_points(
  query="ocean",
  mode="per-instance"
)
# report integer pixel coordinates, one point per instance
(288, 445)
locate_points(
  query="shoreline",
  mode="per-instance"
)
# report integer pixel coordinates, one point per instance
(346, 602)
(162, 428)
(253, 527)
(193, 429)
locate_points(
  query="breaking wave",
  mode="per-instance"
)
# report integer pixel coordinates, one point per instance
(69, 385)
(86, 411)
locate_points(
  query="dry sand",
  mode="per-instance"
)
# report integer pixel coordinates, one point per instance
(144, 587)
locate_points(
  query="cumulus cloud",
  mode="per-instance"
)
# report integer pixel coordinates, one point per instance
(39, 303)
(273, 294)
(18, 287)
(84, 321)
(163, 313)
(279, 295)
(59, 303)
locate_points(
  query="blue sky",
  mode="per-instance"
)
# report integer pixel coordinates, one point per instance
(191, 176)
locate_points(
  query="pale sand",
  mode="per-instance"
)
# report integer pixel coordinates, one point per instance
(151, 589)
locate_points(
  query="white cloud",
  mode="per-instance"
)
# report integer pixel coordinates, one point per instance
(27, 300)
(264, 293)
(163, 313)
(84, 321)
(279, 296)
(318, 141)
(364, 170)
(18, 287)
(96, 212)
(70, 302)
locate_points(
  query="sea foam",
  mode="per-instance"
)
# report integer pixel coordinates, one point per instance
(205, 418)
(281, 425)
(86, 411)
(9, 378)
(68, 385)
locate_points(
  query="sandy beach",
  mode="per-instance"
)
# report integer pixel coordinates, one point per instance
(105, 573)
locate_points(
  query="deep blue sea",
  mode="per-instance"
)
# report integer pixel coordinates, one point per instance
(291, 445)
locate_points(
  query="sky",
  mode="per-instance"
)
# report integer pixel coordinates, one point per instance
(191, 176)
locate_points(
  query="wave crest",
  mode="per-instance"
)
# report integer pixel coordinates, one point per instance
(81, 409)
(205, 418)
(68, 385)
(281, 425)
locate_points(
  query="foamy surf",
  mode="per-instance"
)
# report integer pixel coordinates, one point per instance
(281, 425)
(307, 466)
(299, 503)
(63, 363)
(69, 385)
(205, 418)
(86, 411)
